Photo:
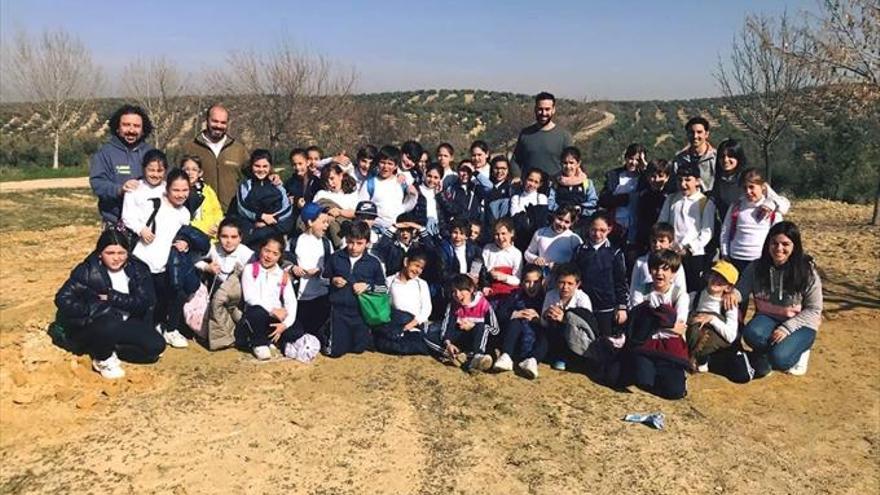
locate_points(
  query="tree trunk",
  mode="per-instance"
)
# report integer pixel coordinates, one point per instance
(55, 155)
(765, 153)
(876, 219)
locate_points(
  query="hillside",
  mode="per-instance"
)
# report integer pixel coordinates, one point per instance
(818, 157)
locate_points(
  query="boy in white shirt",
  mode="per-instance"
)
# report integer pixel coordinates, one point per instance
(662, 236)
(385, 189)
(566, 296)
(692, 215)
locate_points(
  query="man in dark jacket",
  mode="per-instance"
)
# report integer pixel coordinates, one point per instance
(222, 155)
(116, 167)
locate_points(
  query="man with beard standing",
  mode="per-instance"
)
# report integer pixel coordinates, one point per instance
(222, 156)
(699, 152)
(540, 145)
(116, 167)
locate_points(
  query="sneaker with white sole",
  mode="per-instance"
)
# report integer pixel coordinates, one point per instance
(110, 368)
(262, 352)
(529, 368)
(480, 362)
(175, 339)
(503, 363)
(800, 367)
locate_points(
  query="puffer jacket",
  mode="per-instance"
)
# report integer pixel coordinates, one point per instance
(224, 312)
(77, 300)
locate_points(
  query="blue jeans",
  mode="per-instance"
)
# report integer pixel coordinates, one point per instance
(785, 354)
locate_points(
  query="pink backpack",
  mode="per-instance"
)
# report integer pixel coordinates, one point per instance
(195, 309)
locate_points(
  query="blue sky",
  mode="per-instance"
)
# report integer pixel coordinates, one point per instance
(583, 49)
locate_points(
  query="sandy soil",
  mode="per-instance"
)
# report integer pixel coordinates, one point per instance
(200, 422)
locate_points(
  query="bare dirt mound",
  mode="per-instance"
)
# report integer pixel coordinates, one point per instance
(200, 422)
(608, 119)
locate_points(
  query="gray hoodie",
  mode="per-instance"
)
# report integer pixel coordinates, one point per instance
(109, 168)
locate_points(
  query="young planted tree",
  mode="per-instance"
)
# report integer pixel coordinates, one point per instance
(55, 73)
(844, 53)
(762, 86)
(286, 96)
(158, 86)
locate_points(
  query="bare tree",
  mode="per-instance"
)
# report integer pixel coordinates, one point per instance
(760, 85)
(286, 95)
(55, 73)
(844, 51)
(158, 86)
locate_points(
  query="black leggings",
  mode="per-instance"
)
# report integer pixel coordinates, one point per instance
(134, 339)
(169, 303)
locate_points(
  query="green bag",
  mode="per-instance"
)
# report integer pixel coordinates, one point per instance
(375, 308)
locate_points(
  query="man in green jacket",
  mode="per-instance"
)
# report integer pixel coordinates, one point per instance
(540, 144)
(223, 157)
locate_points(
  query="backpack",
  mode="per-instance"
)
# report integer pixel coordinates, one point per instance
(195, 309)
(371, 186)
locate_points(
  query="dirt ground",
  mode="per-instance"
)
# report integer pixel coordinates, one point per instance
(201, 422)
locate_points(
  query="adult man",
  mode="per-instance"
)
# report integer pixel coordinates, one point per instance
(222, 156)
(116, 167)
(698, 152)
(540, 144)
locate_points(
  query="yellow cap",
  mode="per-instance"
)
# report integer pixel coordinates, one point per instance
(727, 271)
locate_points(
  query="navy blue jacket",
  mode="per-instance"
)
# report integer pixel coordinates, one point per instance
(256, 197)
(367, 269)
(391, 252)
(77, 300)
(109, 168)
(463, 203)
(603, 276)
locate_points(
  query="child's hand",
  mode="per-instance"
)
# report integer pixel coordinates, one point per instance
(679, 327)
(181, 245)
(212, 231)
(300, 202)
(555, 313)
(268, 219)
(487, 291)
(620, 317)
(103, 297)
(465, 325)
(276, 181)
(498, 275)
(731, 300)
(451, 349)
(214, 268)
(540, 261)
(277, 330)
(701, 319)
(279, 313)
(147, 235)
(411, 326)
(360, 287)
(338, 282)
(296, 270)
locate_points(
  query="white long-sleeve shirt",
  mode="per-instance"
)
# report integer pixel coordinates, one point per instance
(678, 298)
(495, 257)
(346, 201)
(553, 247)
(692, 217)
(240, 256)
(266, 289)
(726, 328)
(412, 296)
(641, 279)
(389, 198)
(137, 205)
(745, 240)
(169, 220)
(309, 256)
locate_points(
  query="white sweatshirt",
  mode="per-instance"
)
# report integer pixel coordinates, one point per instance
(553, 247)
(641, 279)
(495, 257)
(752, 225)
(240, 256)
(726, 328)
(519, 202)
(692, 217)
(266, 289)
(137, 207)
(412, 296)
(169, 220)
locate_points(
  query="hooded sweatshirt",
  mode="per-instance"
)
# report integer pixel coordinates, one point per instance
(110, 167)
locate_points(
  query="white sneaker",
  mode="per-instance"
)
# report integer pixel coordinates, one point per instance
(703, 368)
(529, 367)
(262, 352)
(110, 368)
(503, 363)
(175, 339)
(800, 368)
(480, 362)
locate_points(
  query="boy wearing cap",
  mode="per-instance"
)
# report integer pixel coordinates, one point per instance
(692, 215)
(309, 252)
(710, 327)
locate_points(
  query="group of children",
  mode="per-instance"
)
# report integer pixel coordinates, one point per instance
(465, 263)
